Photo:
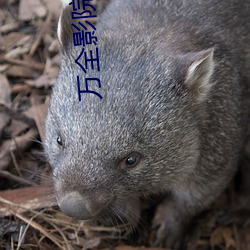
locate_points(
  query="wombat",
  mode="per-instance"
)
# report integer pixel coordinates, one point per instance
(174, 76)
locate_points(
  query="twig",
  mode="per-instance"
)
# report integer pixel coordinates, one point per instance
(32, 65)
(40, 35)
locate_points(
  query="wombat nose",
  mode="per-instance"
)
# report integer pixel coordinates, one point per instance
(74, 205)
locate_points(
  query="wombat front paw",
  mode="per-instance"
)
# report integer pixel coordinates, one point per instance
(170, 232)
(168, 237)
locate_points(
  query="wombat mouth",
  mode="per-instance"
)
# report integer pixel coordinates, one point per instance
(120, 214)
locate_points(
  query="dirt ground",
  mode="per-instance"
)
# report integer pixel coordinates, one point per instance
(29, 217)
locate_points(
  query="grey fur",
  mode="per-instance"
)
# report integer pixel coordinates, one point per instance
(189, 144)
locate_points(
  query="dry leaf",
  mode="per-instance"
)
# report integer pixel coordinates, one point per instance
(137, 248)
(9, 41)
(217, 237)
(54, 7)
(5, 100)
(39, 112)
(22, 199)
(6, 28)
(222, 236)
(22, 72)
(19, 144)
(228, 237)
(29, 9)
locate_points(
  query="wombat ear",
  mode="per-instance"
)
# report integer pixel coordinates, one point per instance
(65, 29)
(199, 72)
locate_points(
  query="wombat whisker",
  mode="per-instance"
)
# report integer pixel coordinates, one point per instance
(127, 223)
(52, 200)
(36, 141)
(42, 176)
(115, 223)
(122, 214)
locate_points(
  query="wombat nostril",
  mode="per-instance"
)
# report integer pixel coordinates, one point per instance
(74, 205)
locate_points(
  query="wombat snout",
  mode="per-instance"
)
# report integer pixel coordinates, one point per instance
(75, 205)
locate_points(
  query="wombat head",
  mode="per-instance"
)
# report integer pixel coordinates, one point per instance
(141, 138)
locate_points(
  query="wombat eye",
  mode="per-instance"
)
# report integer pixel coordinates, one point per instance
(132, 160)
(59, 140)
